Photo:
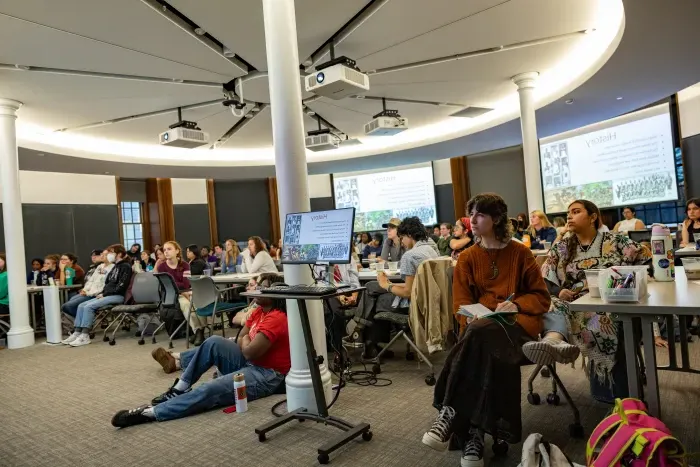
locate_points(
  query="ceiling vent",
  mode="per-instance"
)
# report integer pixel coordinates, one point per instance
(471, 112)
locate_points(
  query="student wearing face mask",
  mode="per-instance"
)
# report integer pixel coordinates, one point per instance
(116, 284)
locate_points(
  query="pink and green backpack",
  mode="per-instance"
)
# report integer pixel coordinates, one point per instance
(631, 437)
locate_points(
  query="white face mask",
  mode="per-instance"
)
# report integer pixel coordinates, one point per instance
(111, 257)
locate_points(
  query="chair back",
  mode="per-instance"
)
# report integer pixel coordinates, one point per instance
(204, 291)
(170, 292)
(145, 288)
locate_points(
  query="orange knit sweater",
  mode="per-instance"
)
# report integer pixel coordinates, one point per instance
(518, 273)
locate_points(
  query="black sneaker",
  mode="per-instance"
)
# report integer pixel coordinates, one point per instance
(438, 436)
(125, 418)
(473, 452)
(169, 394)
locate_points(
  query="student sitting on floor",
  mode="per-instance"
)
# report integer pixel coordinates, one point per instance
(116, 284)
(94, 285)
(69, 260)
(261, 355)
(242, 316)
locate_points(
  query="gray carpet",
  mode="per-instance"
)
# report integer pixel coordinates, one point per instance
(56, 405)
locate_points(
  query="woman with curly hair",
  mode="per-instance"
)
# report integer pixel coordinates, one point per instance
(582, 247)
(478, 390)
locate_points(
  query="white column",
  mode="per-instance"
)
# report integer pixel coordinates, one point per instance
(292, 186)
(20, 334)
(531, 151)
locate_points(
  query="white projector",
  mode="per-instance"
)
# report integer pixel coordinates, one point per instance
(337, 81)
(181, 137)
(322, 142)
(386, 126)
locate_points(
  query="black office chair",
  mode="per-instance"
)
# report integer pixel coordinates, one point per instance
(146, 299)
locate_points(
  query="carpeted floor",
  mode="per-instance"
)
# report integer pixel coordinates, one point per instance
(56, 404)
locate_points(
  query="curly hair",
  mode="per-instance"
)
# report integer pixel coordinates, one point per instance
(495, 206)
(412, 227)
(571, 240)
(267, 279)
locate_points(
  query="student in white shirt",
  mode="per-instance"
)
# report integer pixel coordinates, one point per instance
(256, 259)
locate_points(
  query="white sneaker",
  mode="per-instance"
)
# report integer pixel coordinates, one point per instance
(70, 338)
(83, 339)
(548, 351)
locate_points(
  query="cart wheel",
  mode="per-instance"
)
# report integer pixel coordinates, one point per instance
(323, 459)
(430, 380)
(105, 338)
(367, 436)
(92, 335)
(262, 437)
(410, 356)
(141, 342)
(376, 369)
(170, 345)
(553, 399)
(112, 342)
(545, 373)
(500, 447)
(153, 341)
(533, 398)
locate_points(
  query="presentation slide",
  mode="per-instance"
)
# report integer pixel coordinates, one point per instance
(379, 196)
(323, 236)
(624, 161)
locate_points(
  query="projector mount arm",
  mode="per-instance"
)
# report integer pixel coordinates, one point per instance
(234, 101)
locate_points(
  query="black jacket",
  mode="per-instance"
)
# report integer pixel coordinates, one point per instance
(118, 279)
(197, 267)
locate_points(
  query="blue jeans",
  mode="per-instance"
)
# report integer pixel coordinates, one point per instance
(228, 358)
(555, 322)
(71, 306)
(86, 310)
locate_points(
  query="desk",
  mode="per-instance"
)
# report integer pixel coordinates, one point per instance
(367, 275)
(540, 252)
(236, 277)
(350, 431)
(679, 297)
(686, 252)
(36, 289)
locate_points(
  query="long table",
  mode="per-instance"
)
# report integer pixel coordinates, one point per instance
(687, 252)
(680, 297)
(37, 289)
(366, 275)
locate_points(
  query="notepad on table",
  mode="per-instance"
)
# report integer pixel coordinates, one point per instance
(478, 310)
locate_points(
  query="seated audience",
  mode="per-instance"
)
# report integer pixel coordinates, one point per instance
(94, 284)
(595, 335)
(462, 237)
(278, 255)
(515, 224)
(559, 224)
(436, 231)
(156, 247)
(364, 241)
(49, 271)
(540, 230)
(160, 258)
(392, 250)
(229, 258)
(523, 224)
(261, 355)
(33, 275)
(4, 290)
(180, 271)
(147, 260)
(396, 296)
(207, 255)
(218, 252)
(691, 226)
(115, 287)
(256, 259)
(135, 255)
(478, 390)
(197, 264)
(374, 247)
(443, 242)
(630, 222)
(70, 261)
(334, 317)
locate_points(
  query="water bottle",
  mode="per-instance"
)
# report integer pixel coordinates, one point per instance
(662, 251)
(241, 396)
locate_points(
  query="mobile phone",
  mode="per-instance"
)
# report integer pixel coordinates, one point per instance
(577, 288)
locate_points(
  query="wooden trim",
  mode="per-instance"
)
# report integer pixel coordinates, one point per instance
(117, 184)
(460, 185)
(211, 204)
(274, 210)
(165, 209)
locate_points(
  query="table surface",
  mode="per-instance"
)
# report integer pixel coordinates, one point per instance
(341, 291)
(687, 251)
(540, 252)
(39, 288)
(662, 296)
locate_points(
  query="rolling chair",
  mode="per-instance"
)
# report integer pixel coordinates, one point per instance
(169, 304)
(205, 302)
(146, 295)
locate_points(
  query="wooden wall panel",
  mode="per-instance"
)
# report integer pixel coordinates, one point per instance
(460, 185)
(274, 210)
(211, 203)
(160, 217)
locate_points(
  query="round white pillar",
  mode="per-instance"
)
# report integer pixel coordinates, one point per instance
(21, 334)
(531, 150)
(292, 187)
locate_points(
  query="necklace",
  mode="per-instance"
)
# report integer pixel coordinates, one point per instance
(494, 267)
(585, 248)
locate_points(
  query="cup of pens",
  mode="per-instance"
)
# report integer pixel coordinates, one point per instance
(622, 285)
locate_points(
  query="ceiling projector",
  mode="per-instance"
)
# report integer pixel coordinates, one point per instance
(337, 79)
(184, 134)
(321, 140)
(386, 123)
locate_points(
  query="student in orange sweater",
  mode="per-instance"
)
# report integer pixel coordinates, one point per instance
(479, 388)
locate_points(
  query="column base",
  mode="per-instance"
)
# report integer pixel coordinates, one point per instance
(18, 338)
(300, 392)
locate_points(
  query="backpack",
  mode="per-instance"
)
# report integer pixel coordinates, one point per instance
(631, 437)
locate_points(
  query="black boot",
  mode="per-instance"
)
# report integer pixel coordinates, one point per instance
(198, 337)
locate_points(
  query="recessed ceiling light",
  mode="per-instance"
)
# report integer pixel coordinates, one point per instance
(569, 101)
(619, 98)
(200, 31)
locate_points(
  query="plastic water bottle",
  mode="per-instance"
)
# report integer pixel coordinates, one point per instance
(662, 251)
(241, 395)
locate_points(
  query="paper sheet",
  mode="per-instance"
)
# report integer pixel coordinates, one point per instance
(478, 310)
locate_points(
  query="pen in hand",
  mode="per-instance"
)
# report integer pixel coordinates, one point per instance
(510, 298)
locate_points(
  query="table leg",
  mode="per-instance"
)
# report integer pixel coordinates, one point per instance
(683, 327)
(630, 356)
(33, 307)
(653, 401)
(671, 336)
(313, 360)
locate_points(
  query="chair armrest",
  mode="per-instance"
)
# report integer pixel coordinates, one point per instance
(236, 287)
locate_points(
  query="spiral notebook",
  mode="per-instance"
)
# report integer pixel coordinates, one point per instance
(478, 310)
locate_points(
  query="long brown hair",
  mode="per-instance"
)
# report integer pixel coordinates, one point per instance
(4, 262)
(571, 241)
(495, 206)
(177, 247)
(543, 218)
(235, 251)
(259, 244)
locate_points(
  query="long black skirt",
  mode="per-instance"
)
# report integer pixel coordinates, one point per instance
(481, 379)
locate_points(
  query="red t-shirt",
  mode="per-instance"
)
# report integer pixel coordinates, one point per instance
(273, 325)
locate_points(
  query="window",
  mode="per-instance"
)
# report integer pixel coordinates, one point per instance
(132, 223)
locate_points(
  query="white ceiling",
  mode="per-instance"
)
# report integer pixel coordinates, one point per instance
(128, 37)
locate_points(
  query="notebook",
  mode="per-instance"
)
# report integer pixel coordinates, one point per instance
(478, 310)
